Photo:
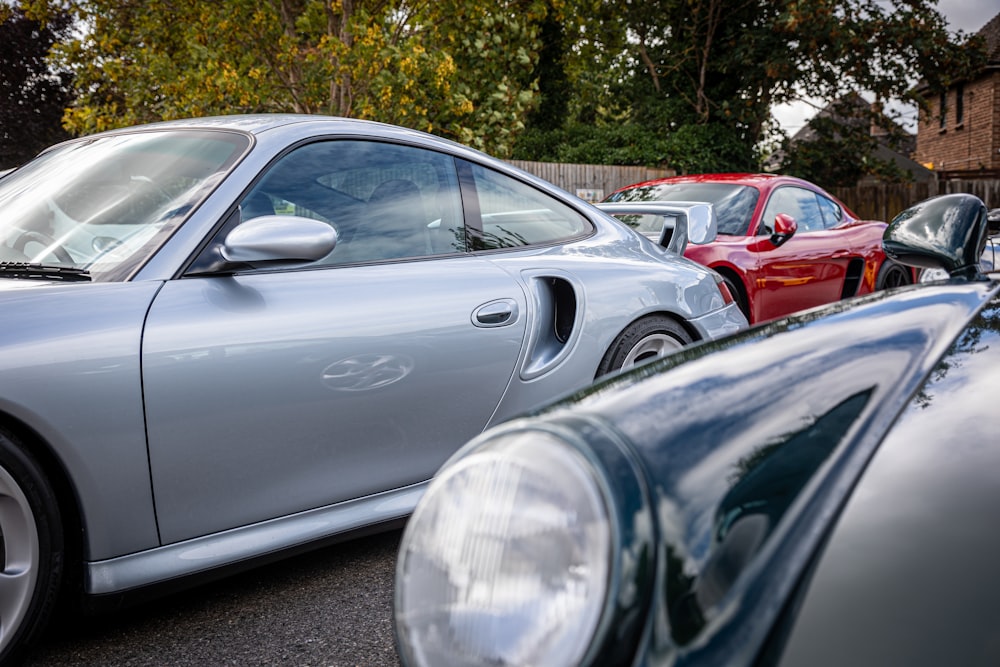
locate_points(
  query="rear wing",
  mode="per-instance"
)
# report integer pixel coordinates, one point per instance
(671, 224)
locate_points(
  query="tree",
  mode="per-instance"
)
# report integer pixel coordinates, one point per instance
(451, 67)
(838, 147)
(722, 65)
(33, 95)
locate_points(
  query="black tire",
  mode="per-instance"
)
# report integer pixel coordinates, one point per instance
(645, 339)
(891, 274)
(738, 294)
(31, 549)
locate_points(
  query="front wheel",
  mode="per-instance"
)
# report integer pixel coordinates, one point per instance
(892, 274)
(645, 339)
(31, 549)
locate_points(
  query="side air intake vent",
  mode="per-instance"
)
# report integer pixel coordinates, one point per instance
(556, 325)
(852, 280)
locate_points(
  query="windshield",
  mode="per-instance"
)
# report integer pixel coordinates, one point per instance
(104, 205)
(734, 204)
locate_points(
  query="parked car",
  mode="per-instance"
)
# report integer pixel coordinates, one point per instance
(818, 490)
(784, 244)
(991, 252)
(227, 338)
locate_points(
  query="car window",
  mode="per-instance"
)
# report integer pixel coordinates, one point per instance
(386, 201)
(799, 203)
(104, 205)
(513, 214)
(734, 204)
(831, 212)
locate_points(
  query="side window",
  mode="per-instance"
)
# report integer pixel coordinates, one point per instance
(514, 214)
(386, 201)
(832, 213)
(799, 203)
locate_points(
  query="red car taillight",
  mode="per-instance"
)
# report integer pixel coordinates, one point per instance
(727, 296)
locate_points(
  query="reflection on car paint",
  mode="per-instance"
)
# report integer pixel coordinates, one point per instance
(764, 484)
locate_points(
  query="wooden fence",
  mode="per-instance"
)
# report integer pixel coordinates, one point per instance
(880, 201)
(872, 201)
(591, 182)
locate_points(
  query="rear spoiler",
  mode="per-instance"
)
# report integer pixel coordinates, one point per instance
(695, 221)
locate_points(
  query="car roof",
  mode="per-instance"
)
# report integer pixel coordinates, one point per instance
(757, 180)
(258, 124)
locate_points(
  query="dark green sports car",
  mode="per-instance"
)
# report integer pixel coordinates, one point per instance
(821, 490)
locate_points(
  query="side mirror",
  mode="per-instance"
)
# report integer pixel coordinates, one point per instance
(272, 240)
(948, 232)
(993, 220)
(784, 228)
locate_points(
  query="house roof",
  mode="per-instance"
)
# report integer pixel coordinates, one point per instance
(991, 35)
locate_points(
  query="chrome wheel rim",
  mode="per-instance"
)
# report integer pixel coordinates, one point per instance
(18, 556)
(651, 347)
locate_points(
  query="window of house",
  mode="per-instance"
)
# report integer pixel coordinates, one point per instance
(959, 104)
(942, 110)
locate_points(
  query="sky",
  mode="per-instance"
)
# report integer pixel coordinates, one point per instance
(965, 15)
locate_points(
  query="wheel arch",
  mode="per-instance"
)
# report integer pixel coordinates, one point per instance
(66, 496)
(687, 326)
(734, 275)
(691, 331)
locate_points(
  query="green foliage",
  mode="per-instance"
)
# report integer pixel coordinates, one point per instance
(687, 149)
(706, 73)
(839, 148)
(452, 67)
(688, 84)
(32, 94)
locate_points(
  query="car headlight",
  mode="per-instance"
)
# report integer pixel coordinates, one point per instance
(932, 275)
(515, 555)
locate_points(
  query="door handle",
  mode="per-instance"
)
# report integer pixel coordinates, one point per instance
(495, 313)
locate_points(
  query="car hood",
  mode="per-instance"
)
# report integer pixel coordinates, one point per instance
(798, 404)
(10, 284)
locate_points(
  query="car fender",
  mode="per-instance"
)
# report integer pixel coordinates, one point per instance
(72, 376)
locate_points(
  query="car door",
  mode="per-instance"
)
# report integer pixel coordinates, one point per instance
(272, 392)
(806, 270)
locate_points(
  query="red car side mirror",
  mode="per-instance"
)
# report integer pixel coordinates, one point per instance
(784, 227)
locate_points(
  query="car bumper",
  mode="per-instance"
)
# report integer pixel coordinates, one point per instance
(719, 323)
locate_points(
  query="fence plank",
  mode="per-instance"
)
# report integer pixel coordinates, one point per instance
(592, 182)
(870, 201)
(884, 201)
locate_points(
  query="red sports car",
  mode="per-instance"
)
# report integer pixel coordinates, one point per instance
(784, 244)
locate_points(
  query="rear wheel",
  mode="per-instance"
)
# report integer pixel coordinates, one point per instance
(645, 339)
(891, 275)
(31, 549)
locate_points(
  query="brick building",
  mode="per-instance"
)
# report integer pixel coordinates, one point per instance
(964, 141)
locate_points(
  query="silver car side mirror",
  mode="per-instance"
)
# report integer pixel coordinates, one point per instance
(281, 239)
(268, 241)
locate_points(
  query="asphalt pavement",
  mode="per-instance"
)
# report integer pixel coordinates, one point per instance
(329, 608)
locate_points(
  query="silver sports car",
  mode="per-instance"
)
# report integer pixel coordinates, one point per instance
(225, 339)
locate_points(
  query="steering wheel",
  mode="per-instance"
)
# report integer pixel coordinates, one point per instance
(141, 183)
(55, 249)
